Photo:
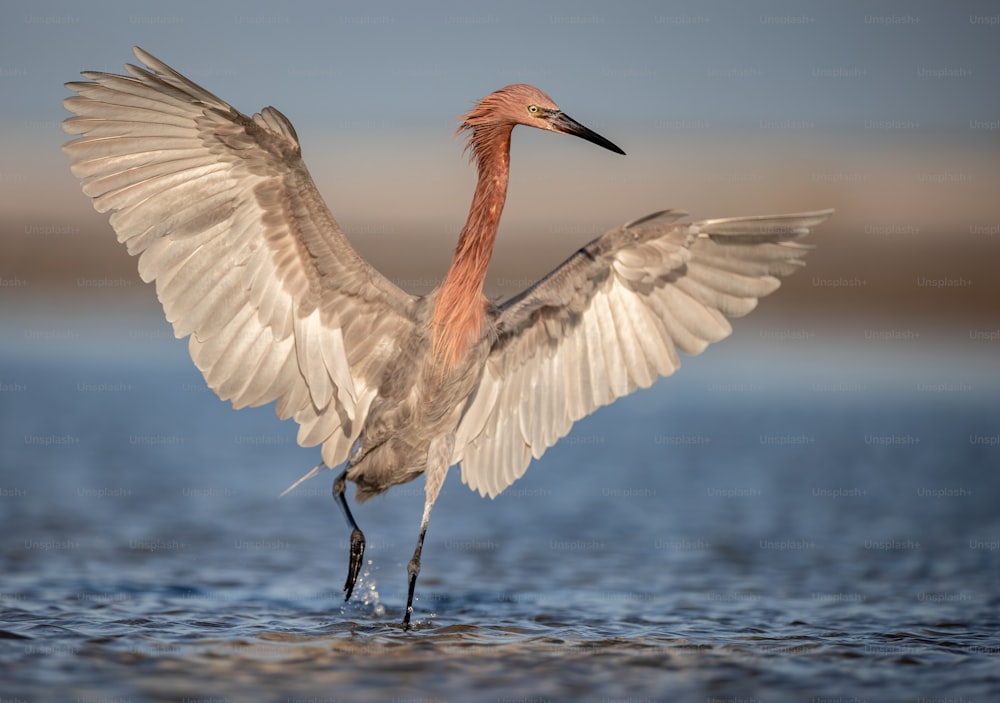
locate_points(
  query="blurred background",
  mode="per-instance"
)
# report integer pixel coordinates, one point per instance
(887, 112)
(832, 465)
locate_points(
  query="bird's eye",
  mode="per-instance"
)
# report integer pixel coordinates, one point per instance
(533, 109)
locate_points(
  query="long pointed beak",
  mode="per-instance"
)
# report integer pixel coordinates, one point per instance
(562, 122)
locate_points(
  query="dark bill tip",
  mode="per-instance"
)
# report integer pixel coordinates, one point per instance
(567, 125)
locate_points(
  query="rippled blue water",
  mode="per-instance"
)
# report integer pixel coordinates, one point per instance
(770, 525)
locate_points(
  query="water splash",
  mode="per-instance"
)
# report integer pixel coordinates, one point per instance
(366, 593)
(369, 592)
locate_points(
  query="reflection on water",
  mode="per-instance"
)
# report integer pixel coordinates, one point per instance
(742, 531)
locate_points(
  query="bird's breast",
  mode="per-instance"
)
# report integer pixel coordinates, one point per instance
(420, 402)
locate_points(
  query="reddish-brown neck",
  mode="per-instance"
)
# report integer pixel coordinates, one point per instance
(459, 308)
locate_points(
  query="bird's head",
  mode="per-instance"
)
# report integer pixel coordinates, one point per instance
(525, 104)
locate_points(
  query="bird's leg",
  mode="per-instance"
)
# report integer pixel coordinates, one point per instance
(412, 569)
(357, 536)
(434, 478)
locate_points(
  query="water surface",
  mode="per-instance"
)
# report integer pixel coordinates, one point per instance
(746, 530)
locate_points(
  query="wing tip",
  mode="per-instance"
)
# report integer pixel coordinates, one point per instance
(786, 225)
(144, 55)
(667, 216)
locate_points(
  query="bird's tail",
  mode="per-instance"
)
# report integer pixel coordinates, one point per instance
(313, 472)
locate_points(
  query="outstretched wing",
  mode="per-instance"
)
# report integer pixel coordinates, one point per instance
(610, 320)
(246, 257)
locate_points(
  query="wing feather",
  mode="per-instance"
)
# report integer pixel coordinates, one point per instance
(612, 319)
(247, 259)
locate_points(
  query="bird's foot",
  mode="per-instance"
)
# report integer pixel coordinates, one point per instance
(354, 566)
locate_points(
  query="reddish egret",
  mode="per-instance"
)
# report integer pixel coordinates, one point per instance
(251, 264)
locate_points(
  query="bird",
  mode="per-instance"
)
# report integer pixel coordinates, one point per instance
(250, 264)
